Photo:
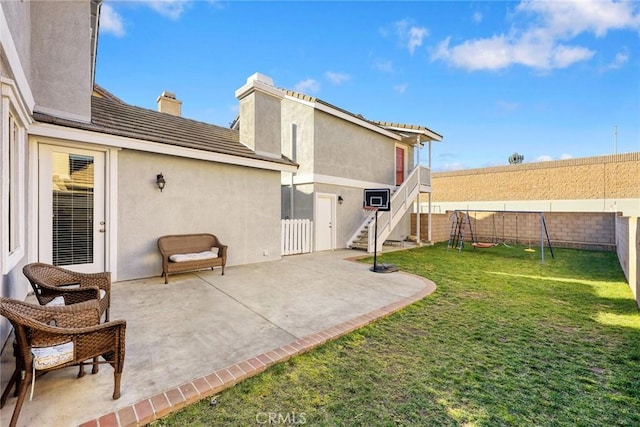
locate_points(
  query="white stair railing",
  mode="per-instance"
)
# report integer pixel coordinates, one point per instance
(401, 201)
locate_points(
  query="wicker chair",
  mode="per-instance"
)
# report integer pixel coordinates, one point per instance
(49, 282)
(77, 328)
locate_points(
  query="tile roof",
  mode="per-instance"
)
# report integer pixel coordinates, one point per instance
(114, 117)
(394, 127)
(404, 126)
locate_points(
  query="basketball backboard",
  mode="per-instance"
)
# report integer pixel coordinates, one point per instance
(379, 198)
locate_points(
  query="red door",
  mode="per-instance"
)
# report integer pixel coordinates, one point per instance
(399, 166)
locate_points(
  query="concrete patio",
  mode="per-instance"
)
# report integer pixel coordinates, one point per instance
(204, 332)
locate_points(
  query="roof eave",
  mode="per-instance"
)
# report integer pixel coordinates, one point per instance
(424, 135)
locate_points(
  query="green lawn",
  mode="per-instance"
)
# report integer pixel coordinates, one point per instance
(504, 340)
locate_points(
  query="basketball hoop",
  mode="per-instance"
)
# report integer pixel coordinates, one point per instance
(368, 210)
(374, 200)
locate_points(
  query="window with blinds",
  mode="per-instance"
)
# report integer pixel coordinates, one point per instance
(73, 183)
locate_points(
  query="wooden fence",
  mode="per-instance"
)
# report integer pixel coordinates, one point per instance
(296, 236)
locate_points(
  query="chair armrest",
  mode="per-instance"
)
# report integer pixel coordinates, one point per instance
(222, 251)
(77, 295)
(82, 329)
(39, 317)
(71, 295)
(89, 341)
(101, 280)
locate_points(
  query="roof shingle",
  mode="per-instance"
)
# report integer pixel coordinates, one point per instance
(112, 117)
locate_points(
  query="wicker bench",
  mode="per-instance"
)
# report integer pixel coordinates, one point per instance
(188, 252)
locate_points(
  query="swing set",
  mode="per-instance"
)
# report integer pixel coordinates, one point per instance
(461, 221)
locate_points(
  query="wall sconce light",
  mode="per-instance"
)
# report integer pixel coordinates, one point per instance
(160, 182)
(340, 199)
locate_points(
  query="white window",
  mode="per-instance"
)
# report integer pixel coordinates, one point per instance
(12, 207)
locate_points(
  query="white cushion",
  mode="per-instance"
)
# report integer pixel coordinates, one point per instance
(49, 357)
(198, 256)
(57, 301)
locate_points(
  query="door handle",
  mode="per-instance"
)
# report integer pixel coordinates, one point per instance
(102, 230)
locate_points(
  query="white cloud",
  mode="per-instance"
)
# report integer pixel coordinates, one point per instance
(543, 158)
(477, 17)
(416, 35)
(620, 59)
(571, 18)
(111, 21)
(563, 56)
(383, 65)
(548, 158)
(401, 88)
(307, 86)
(337, 78)
(450, 166)
(544, 45)
(409, 35)
(172, 9)
(500, 52)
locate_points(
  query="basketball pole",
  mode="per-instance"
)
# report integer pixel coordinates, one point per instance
(375, 245)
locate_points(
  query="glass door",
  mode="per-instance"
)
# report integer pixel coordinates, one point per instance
(72, 219)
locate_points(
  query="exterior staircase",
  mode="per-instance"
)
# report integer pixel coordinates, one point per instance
(361, 242)
(418, 181)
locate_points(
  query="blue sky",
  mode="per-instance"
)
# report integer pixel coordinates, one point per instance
(547, 79)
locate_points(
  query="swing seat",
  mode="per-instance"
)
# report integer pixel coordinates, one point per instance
(483, 245)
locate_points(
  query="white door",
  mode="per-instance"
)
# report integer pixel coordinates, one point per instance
(325, 221)
(71, 208)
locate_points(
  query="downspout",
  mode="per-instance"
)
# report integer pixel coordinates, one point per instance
(429, 215)
(419, 211)
(291, 193)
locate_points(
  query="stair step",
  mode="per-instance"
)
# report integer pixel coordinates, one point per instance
(359, 247)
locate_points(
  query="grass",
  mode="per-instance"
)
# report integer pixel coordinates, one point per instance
(503, 341)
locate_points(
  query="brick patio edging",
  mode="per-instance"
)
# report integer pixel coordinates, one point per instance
(160, 405)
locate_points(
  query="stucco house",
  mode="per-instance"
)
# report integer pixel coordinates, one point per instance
(79, 166)
(340, 154)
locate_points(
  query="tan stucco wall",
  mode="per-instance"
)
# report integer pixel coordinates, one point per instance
(613, 176)
(239, 205)
(592, 178)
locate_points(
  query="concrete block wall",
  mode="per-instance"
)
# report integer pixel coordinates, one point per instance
(581, 230)
(603, 177)
(440, 226)
(628, 248)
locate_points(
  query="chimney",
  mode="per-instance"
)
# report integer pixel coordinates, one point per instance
(260, 115)
(167, 103)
